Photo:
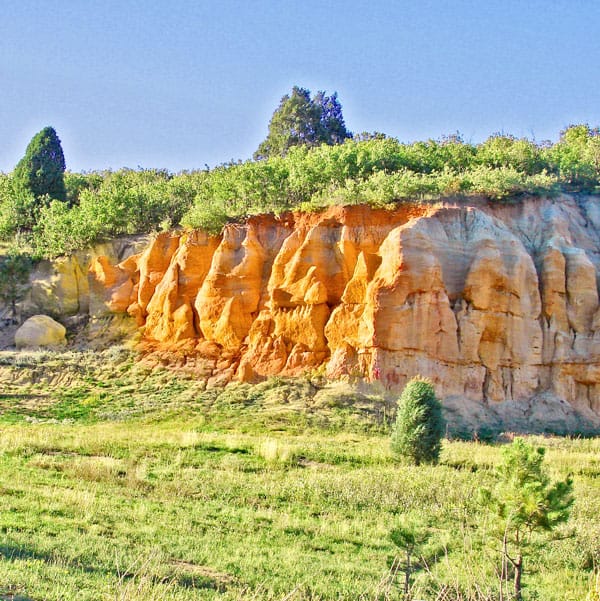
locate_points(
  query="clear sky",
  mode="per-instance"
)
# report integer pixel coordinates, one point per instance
(183, 83)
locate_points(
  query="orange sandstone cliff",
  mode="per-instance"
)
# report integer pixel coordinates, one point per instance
(497, 304)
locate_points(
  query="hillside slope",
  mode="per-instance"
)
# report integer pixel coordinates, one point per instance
(496, 303)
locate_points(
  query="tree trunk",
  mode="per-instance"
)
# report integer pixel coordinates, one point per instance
(503, 567)
(518, 573)
(407, 575)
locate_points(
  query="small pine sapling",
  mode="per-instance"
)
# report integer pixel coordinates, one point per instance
(526, 502)
(410, 536)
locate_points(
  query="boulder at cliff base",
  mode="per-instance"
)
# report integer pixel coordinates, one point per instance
(40, 331)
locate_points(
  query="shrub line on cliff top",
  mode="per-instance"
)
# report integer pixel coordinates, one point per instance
(378, 171)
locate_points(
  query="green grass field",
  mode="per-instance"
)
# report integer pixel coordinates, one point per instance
(118, 486)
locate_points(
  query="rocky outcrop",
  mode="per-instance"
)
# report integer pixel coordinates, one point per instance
(40, 331)
(62, 287)
(497, 304)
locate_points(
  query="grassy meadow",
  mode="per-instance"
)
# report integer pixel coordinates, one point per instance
(121, 483)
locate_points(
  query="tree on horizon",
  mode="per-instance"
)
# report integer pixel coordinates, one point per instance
(300, 120)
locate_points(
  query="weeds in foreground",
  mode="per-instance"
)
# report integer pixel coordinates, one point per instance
(117, 482)
(177, 510)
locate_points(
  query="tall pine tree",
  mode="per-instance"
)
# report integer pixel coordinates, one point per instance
(41, 170)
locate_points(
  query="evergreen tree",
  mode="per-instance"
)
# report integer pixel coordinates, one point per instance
(526, 502)
(302, 121)
(41, 171)
(332, 128)
(419, 424)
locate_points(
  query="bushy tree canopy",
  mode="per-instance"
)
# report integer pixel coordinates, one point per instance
(419, 423)
(302, 121)
(576, 157)
(41, 170)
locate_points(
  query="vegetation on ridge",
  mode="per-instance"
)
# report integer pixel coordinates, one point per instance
(306, 162)
(15, 268)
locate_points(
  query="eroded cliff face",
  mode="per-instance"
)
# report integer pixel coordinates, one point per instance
(498, 305)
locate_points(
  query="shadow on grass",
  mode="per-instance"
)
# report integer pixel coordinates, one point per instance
(21, 553)
(18, 395)
(183, 574)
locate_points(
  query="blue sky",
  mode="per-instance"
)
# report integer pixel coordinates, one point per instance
(182, 83)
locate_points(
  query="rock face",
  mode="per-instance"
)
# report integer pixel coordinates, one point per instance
(40, 331)
(61, 288)
(497, 304)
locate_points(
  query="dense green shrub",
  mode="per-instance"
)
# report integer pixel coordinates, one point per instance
(75, 183)
(207, 217)
(575, 158)
(60, 230)
(243, 188)
(504, 151)
(18, 209)
(419, 424)
(124, 202)
(503, 182)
